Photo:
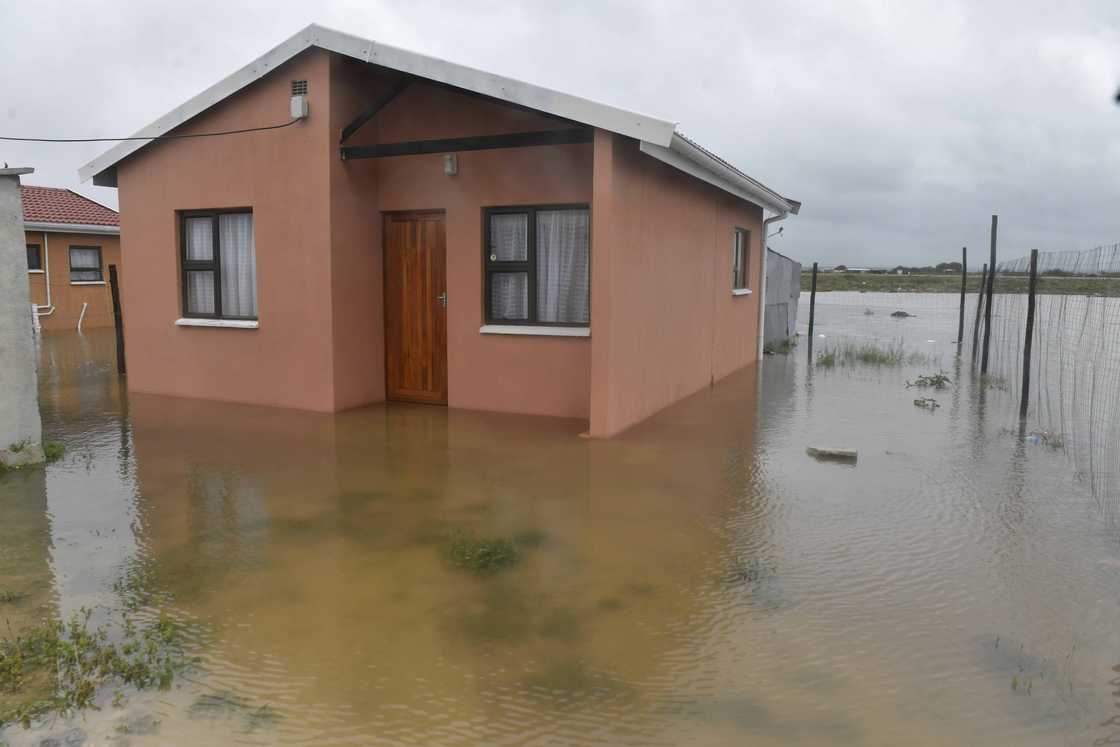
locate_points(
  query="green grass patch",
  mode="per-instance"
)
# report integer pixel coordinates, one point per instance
(57, 668)
(53, 451)
(938, 380)
(7, 596)
(482, 555)
(784, 347)
(848, 353)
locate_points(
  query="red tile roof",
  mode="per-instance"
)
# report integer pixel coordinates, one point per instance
(54, 205)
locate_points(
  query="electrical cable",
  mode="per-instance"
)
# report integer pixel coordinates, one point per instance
(153, 137)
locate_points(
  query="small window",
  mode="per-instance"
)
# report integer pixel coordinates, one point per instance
(219, 265)
(538, 266)
(85, 264)
(34, 257)
(740, 260)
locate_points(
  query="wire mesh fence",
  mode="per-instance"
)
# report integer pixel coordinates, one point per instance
(1073, 397)
(1073, 393)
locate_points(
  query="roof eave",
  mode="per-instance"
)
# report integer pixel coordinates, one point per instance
(684, 155)
(50, 227)
(632, 124)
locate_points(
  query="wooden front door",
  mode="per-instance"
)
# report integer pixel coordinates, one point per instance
(415, 308)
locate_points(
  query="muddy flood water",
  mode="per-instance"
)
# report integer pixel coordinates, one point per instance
(699, 580)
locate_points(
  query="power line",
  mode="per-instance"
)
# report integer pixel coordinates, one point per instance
(153, 137)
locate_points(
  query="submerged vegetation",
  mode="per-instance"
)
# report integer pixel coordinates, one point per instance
(482, 555)
(927, 403)
(939, 380)
(59, 668)
(849, 353)
(784, 347)
(53, 451)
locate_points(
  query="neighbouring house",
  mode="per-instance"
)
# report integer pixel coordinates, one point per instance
(71, 241)
(426, 232)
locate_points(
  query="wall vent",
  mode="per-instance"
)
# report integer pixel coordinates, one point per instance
(299, 87)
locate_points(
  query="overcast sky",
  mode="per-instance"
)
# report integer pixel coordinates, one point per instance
(901, 126)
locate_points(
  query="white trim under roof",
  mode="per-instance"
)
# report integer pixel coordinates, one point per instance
(690, 158)
(658, 137)
(71, 228)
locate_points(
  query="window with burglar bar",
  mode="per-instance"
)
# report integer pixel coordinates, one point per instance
(219, 265)
(537, 262)
(740, 260)
(85, 264)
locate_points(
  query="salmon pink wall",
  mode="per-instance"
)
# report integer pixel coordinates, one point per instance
(664, 320)
(284, 176)
(525, 374)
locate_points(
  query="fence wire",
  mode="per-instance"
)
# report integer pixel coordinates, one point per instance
(1074, 390)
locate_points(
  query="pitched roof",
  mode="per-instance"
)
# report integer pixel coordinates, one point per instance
(659, 138)
(55, 205)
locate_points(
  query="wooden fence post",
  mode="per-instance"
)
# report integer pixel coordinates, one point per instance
(118, 322)
(964, 283)
(988, 300)
(812, 311)
(1030, 336)
(979, 304)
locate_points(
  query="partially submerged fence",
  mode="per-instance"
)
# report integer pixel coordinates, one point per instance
(1040, 333)
(1064, 374)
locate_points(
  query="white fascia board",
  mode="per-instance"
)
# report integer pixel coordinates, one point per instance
(71, 228)
(694, 161)
(602, 116)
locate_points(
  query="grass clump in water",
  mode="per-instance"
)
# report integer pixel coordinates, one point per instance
(848, 353)
(59, 668)
(53, 451)
(927, 403)
(784, 347)
(482, 555)
(938, 380)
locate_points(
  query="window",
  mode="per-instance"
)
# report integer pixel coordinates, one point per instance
(219, 265)
(740, 260)
(34, 257)
(85, 264)
(538, 266)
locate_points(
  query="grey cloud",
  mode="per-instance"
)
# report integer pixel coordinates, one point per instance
(901, 126)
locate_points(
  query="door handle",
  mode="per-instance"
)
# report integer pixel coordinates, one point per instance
(442, 298)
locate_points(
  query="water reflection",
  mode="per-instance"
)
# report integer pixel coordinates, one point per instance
(698, 580)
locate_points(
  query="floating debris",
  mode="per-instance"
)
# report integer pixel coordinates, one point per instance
(927, 403)
(828, 453)
(901, 314)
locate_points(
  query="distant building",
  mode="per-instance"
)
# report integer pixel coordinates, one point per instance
(71, 241)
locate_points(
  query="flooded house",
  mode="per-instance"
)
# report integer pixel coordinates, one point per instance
(398, 227)
(71, 241)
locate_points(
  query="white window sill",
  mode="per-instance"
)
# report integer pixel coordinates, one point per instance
(511, 329)
(225, 323)
(740, 291)
(35, 272)
(87, 282)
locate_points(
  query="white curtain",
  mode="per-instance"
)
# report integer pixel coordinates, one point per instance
(85, 264)
(200, 292)
(509, 295)
(239, 264)
(563, 266)
(509, 237)
(200, 239)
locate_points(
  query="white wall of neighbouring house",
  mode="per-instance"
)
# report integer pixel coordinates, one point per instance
(19, 389)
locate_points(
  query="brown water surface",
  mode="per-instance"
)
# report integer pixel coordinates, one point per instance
(698, 580)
